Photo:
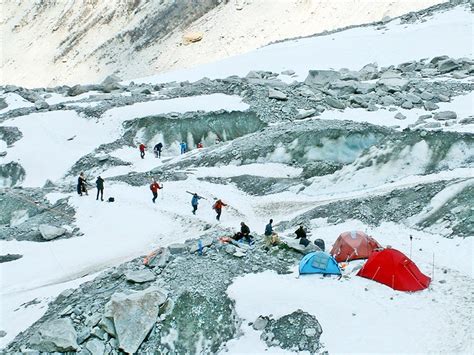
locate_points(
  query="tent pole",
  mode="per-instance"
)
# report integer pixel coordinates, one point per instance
(411, 244)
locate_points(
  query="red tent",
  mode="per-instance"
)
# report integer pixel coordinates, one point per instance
(393, 268)
(353, 245)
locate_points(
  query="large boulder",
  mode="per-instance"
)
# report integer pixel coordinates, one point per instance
(133, 315)
(140, 276)
(447, 65)
(321, 77)
(335, 103)
(392, 82)
(445, 115)
(57, 335)
(276, 94)
(51, 232)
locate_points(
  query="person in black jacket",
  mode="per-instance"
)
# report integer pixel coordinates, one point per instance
(301, 235)
(244, 233)
(100, 188)
(81, 184)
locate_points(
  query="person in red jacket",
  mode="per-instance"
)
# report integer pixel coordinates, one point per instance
(154, 187)
(217, 206)
(142, 150)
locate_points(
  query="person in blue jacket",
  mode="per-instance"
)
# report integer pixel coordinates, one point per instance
(183, 147)
(195, 202)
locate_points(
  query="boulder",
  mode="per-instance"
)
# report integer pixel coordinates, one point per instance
(321, 77)
(439, 58)
(140, 276)
(407, 105)
(77, 90)
(400, 116)
(111, 79)
(412, 98)
(430, 106)
(95, 346)
(358, 101)
(426, 95)
(305, 114)
(428, 72)
(344, 87)
(192, 37)
(260, 323)
(447, 65)
(288, 72)
(432, 125)
(445, 115)
(133, 315)
(177, 248)
(295, 245)
(57, 335)
(276, 94)
(41, 105)
(51, 232)
(369, 72)
(392, 82)
(335, 103)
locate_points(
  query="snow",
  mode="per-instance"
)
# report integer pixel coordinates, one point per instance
(447, 33)
(358, 315)
(14, 101)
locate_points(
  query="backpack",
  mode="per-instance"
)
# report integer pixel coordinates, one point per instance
(111, 199)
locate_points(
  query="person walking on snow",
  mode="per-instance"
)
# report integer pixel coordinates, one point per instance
(100, 188)
(81, 184)
(183, 147)
(154, 187)
(218, 208)
(142, 150)
(195, 202)
(157, 149)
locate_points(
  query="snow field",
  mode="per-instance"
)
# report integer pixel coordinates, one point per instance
(447, 33)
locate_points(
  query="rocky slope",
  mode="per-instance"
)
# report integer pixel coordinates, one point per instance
(49, 43)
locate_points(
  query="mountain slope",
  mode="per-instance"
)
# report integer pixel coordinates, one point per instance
(47, 43)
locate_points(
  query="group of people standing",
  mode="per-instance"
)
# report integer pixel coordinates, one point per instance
(82, 186)
(158, 148)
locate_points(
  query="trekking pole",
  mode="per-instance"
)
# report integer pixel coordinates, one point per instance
(411, 244)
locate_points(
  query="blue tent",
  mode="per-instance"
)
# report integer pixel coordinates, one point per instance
(319, 262)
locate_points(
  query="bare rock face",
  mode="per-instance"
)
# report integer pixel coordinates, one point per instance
(57, 335)
(132, 316)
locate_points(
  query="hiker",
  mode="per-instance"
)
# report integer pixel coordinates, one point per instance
(142, 150)
(244, 233)
(157, 149)
(199, 145)
(195, 202)
(100, 188)
(154, 187)
(271, 237)
(217, 206)
(81, 184)
(301, 235)
(183, 147)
